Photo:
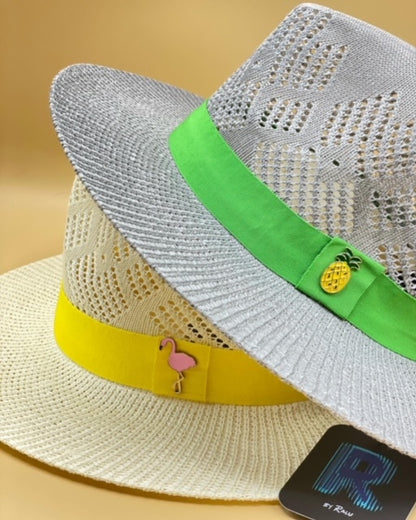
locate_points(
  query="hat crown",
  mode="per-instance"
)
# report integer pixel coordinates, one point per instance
(324, 113)
(109, 281)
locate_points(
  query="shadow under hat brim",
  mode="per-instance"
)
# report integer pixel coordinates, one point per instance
(59, 413)
(114, 127)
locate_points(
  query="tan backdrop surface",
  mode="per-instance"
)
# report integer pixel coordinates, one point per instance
(194, 44)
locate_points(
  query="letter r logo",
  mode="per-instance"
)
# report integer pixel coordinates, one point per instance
(354, 469)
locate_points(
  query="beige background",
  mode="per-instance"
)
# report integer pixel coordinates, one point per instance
(194, 44)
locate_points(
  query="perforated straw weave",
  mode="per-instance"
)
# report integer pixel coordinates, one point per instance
(107, 279)
(327, 120)
(56, 411)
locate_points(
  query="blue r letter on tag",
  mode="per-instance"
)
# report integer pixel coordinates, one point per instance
(354, 469)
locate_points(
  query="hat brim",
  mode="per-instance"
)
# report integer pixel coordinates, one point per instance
(57, 412)
(114, 127)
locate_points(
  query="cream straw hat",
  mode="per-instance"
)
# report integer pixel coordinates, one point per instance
(164, 438)
(296, 176)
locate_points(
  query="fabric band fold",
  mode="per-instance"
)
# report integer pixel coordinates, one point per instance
(284, 242)
(221, 376)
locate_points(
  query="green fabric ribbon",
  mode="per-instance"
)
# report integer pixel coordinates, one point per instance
(284, 242)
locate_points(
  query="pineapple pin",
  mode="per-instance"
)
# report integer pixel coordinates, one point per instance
(337, 275)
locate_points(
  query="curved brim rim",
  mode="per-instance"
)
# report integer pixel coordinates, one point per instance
(57, 412)
(117, 140)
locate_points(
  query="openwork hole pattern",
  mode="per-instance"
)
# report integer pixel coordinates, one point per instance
(302, 60)
(290, 115)
(395, 208)
(331, 129)
(327, 205)
(384, 146)
(236, 105)
(401, 264)
(106, 278)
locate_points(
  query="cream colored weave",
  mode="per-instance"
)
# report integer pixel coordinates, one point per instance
(55, 411)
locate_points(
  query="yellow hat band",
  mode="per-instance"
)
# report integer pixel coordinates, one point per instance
(164, 366)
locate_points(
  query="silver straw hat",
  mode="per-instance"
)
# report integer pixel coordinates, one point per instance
(321, 116)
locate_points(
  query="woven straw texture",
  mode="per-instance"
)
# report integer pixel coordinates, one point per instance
(108, 280)
(316, 145)
(323, 113)
(59, 413)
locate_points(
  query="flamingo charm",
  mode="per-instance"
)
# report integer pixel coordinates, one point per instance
(179, 361)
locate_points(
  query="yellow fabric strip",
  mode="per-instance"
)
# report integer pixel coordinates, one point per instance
(220, 375)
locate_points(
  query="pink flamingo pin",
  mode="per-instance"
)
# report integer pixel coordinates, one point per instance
(179, 361)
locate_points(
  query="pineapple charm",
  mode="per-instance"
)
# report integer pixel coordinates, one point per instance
(337, 275)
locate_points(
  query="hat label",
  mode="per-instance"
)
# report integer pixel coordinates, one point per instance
(350, 475)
